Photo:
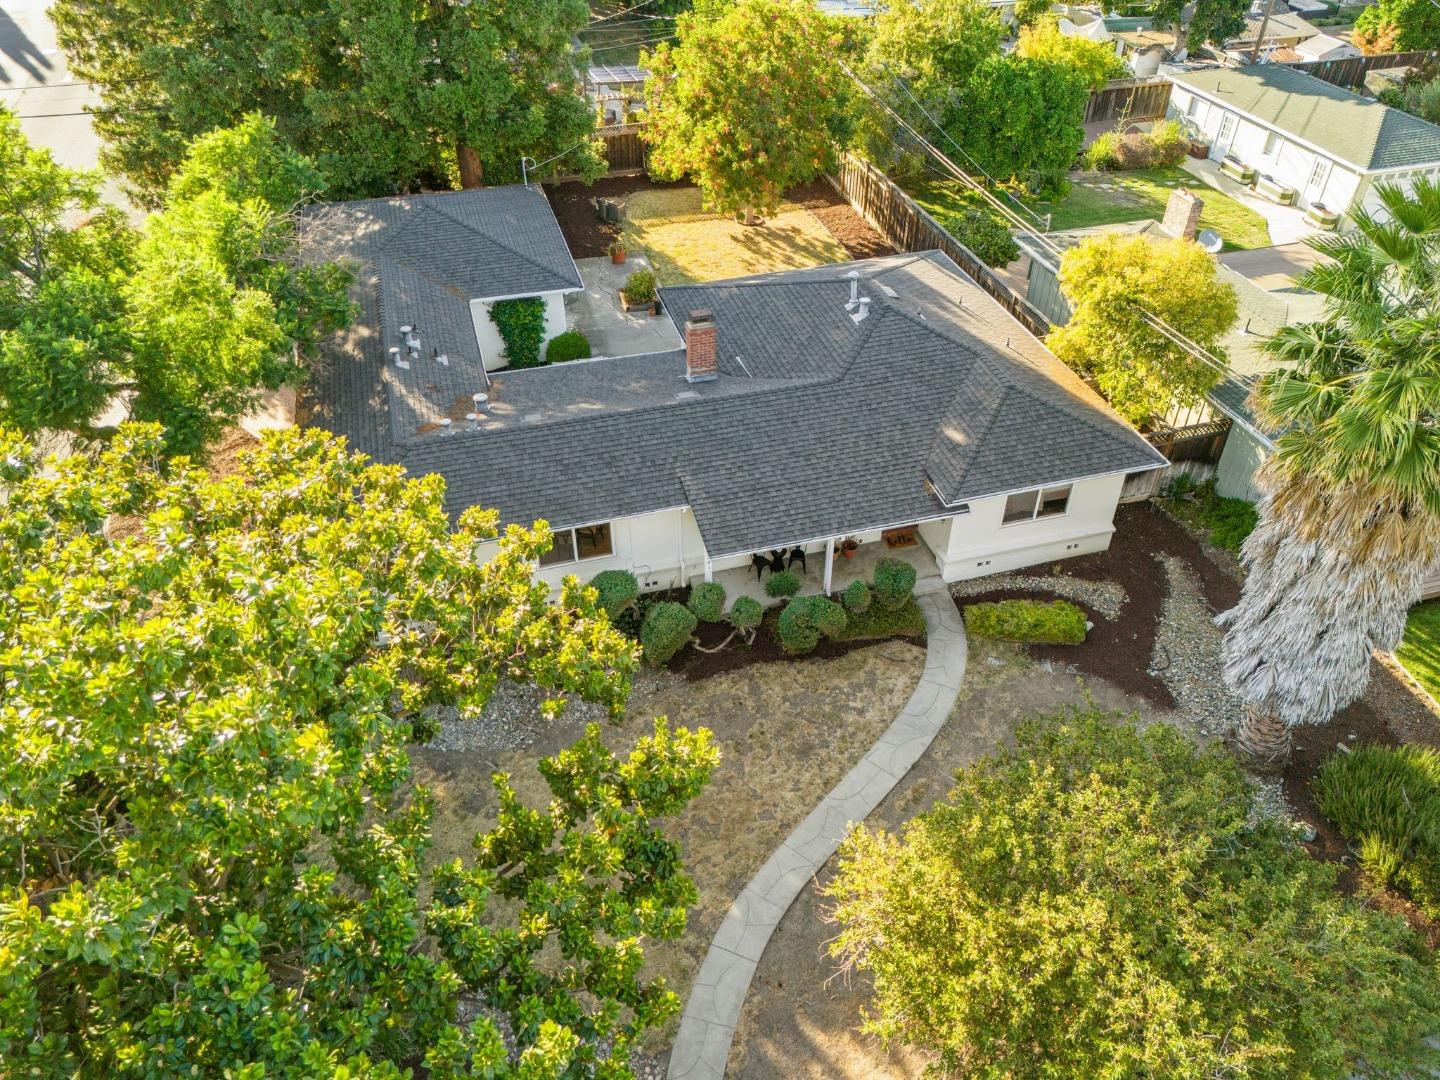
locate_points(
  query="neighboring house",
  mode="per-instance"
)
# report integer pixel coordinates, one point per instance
(1282, 30)
(1325, 47)
(1330, 145)
(616, 90)
(886, 397)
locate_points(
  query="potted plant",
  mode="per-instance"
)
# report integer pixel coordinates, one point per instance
(848, 547)
(617, 252)
(638, 291)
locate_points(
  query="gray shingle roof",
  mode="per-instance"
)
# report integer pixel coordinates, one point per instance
(1354, 129)
(820, 427)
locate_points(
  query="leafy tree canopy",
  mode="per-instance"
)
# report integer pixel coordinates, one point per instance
(384, 96)
(1097, 893)
(748, 102)
(1094, 61)
(211, 853)
(1022, 119)
(1398, 26)
(183, 321)
(1110, 282)
(1196, 23)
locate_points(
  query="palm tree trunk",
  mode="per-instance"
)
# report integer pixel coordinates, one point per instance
(1265, 739)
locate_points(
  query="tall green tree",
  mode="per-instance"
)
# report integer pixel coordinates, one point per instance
(384, 95)
(1196, 23)
(1350, 514)
(1094, 61)
(181, 323)
(1111, 283)
(1096, 902)
(747, 102)
(1021, 118)
(1398, 26)
(212, 857)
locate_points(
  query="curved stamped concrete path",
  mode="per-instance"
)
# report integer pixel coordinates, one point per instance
(708, 1023)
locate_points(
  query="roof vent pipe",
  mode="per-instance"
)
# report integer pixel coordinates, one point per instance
(445, 425)
(862, 308)
(854, 276)
(482, 402)
(400, 362)
(474, 419)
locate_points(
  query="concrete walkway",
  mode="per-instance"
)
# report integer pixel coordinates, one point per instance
(713, 1011)
(1286, 223)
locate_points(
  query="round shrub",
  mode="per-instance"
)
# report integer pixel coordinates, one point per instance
(618, 590)
(571, 345)
(782, 583)
(666, 631)
(894, 582)
(746, 613)
(707, 601)
(805, 620)
(856, 598)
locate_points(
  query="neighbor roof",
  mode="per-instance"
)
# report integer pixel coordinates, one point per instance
(616, 74)
(1353, 129)
(816, 425)
(1280, 24)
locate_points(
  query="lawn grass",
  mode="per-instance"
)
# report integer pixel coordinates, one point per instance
(1419, 652)
(1115, 197)
(1227, 522)
(687, 244)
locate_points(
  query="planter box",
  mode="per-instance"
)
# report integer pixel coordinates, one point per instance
(1237, 169)
(1275, 191)
(1199, 149)
(636, 305)
(1322, 218)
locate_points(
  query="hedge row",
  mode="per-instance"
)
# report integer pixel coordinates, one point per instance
(1057, 622)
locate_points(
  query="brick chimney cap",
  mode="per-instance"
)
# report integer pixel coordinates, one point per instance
(701, 315)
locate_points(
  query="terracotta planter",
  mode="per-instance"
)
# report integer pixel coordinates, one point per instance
(617, 257)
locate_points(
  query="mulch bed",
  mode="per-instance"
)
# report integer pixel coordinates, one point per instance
(841, 221)
(696, 665)
(588, 237)
(1120, 651)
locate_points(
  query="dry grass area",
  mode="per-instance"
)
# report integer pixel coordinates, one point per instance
(801, 1021)
(688, 244)
(787, 732)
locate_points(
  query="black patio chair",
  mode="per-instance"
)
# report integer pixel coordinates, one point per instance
(760, 564)
(797, 555)
(777, 561)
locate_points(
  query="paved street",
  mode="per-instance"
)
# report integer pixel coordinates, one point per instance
(36, 84)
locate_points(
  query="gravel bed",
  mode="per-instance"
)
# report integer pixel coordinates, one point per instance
(1105, 597)
(511, 720)
(1187, 655)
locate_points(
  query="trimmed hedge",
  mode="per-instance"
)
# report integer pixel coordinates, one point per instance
(1057, 622)
(856, 597)
(894, 582)
(746, 613)
(571, 345)
(667, 630)
(707, 601)
(1386, 800)
(805, 619)
(618, 590)
(783, 583)
(522, 327)
(905, 621)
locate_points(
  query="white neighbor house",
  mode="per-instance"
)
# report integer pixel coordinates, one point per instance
(1328, 144)
(885, 400)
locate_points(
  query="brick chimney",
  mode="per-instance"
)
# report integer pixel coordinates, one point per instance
(700, 346)
(1182, 213)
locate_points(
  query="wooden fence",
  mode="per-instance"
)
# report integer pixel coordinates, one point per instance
(1134, 99)
(624, 149)
(1352, 72)
(895, 215)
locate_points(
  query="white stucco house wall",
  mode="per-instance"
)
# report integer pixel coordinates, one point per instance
(487, 334)
(1330, 145)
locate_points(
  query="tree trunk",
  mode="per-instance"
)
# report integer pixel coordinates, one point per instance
(472, 173)
(748, 216)
(1265, 739)
(1179, 31)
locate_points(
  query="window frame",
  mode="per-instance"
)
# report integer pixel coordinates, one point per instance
(557, 544)
(1038, 494)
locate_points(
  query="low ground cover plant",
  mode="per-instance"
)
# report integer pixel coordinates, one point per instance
(1227, 522)
(1386, 801)
(1049, 622)
(1105, 889)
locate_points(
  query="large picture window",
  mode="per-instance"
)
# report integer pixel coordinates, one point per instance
(573, 545)
(1037, 503)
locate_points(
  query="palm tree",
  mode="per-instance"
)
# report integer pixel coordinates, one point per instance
(1350, 513)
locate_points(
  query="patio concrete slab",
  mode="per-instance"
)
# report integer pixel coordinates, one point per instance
(1286, 223)
(597, 314)
(707, 1026)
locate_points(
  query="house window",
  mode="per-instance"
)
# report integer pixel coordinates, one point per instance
(586, 542)
(1039, 503)
(1192, 106)
(1272, 144)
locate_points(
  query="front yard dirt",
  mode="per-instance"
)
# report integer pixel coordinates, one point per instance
(786, 732)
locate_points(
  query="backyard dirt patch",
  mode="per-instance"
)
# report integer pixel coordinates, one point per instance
(585, 234)
(840, 219)
(787, 733)
(801, 1021)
